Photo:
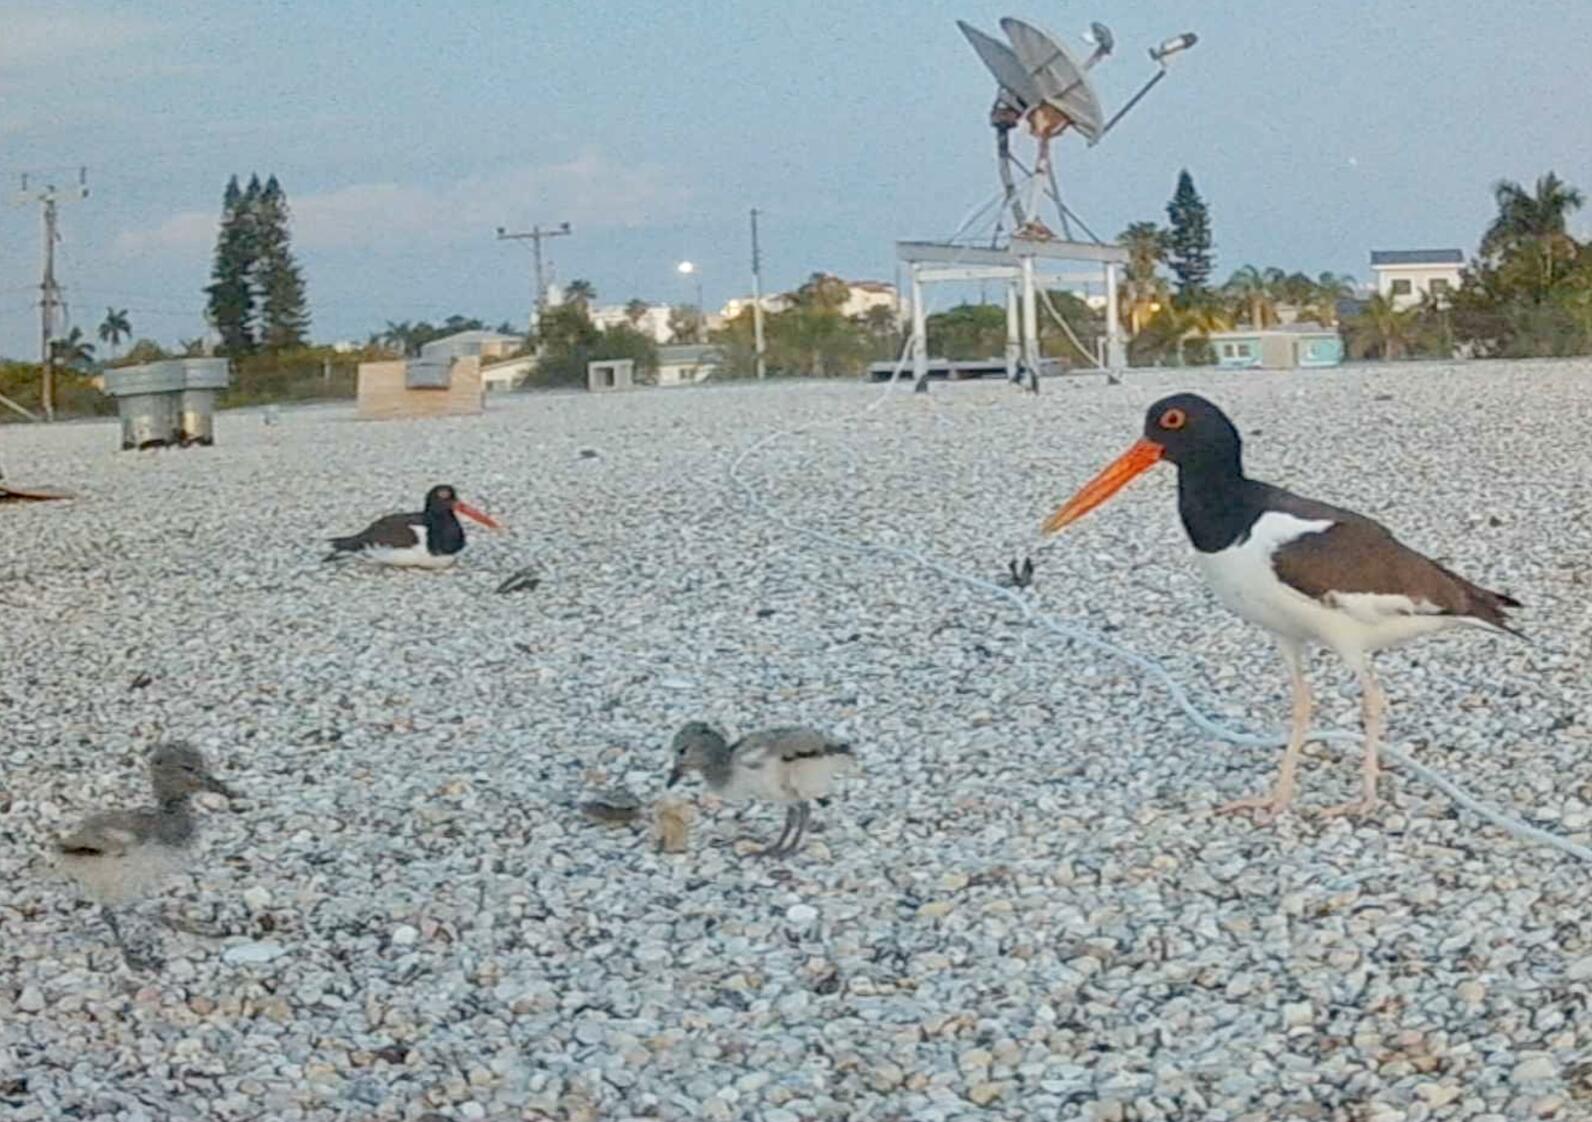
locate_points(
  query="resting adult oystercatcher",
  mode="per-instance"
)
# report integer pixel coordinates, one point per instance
(1307, 572)
(430, 539)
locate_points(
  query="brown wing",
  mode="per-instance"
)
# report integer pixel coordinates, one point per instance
(396, 531)
(1358, 555)
(788, 744)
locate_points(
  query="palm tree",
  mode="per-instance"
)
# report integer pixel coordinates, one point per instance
(1329, 288)
(1253, 292)
(71, 349)
(581, 292)
(399, 336)
(1525, 217)
(1534, 225)
(1144, 292)
(1381, 330)
(193, 348)
(636, 310)
(115, 328)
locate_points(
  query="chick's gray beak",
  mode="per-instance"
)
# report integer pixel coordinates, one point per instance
(675, 775)
(220, 788)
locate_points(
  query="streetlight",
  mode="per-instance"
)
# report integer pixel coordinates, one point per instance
(688, 270)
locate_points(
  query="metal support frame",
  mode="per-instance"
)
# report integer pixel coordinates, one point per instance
(1019, 265)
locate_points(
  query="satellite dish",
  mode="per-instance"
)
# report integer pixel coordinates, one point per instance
(1016, 84)
(1067, 98)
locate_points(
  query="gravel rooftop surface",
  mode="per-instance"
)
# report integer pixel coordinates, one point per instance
(1024, 908)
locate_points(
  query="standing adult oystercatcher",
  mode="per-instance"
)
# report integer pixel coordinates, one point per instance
(431, 539)
(1305, 571)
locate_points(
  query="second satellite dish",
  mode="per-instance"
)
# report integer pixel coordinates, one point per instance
(1066, 97)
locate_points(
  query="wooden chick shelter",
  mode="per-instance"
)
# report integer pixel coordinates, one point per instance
(421, 387)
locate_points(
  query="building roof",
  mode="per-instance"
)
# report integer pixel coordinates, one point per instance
(1417, 257)
(689, 354)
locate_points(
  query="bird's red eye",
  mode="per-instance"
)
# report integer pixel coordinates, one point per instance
(1173, 419)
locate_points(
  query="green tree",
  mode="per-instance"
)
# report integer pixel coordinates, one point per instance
(685, 323)
(581, 292)
(967, 332)
(1525, 217)
(72, 349)
(1143, 290)
(114, 328)
(146, 350)
(230, 306)
(1381, 330)
(635, 310)
(284, 309)
(570, 341)
(1328, 290)
(1190, 239)
(823, 290)
(1253, 293)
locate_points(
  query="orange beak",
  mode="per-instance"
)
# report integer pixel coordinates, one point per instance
(1123, 470)
(480, 516)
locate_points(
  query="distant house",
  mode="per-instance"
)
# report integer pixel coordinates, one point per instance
(1287, 346)
(507, 374)
(653, 323)
(1406, 276)
(481, 344)
(688, 364)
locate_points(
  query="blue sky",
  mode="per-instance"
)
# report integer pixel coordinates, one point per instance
(404, 133)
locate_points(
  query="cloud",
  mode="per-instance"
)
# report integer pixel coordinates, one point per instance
(589, 192)
(49, 37)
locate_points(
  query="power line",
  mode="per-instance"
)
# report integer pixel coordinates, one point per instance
(535, 235)
(49, 291)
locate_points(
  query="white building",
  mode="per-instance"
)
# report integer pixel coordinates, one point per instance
(687, 364)
(867, 295)
(1406, 276)
(653, 323)
(733, 307)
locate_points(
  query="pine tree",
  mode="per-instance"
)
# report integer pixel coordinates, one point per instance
(1190, 256)
(284, 313)
(231, 304)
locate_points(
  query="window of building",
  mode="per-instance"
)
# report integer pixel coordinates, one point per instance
(1228, 350)
(1401, 287)
(1438, 286)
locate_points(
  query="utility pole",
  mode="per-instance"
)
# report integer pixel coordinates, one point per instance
(757, 297)
(535, 235)
(49, 291)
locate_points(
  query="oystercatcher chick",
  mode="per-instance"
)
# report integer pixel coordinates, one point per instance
(784, 765)
(1307, 572)
(119, 855)
(431, 539)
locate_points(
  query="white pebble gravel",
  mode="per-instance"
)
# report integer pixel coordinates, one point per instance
(1022, 908)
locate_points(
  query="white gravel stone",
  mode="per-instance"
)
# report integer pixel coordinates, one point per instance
(1024, 897)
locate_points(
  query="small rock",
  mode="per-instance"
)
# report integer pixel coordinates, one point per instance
(985, 1093)
(801, 915)
(257, 897)
(32, 1000)
(404, 935)
(251, 954)
(1299, 1014)
(1579, 970)
(1536, 1069)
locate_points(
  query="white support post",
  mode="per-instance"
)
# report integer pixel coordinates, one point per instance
(1014, 338)
(1030, 324)
(1116, 355)
(920, 336)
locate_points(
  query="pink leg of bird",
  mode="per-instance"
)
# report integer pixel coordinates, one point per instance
(1268, 806)
(1374, 708)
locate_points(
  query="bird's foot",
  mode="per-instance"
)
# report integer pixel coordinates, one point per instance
(1354, 808)
(1266, 807)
